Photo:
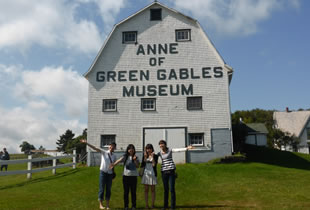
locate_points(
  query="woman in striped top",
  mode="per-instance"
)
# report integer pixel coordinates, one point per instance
(168, 171)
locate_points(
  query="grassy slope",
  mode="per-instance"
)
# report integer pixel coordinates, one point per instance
(270, 179)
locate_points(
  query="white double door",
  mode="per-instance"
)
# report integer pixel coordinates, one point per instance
(175, 138)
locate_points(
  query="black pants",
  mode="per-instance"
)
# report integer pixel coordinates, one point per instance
(130, 183)
(5, 167)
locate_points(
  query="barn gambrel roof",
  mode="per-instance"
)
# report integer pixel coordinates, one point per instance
(227, 67)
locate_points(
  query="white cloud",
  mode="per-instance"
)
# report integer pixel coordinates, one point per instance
(51, 101)
(232, 17)
(24, 23)
(108, 10)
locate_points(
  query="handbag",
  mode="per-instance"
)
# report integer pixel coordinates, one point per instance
(141, 171)
(113, 172)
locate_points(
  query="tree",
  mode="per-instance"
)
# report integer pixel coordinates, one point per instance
(284, 139)
(41, 148)
(65, 140)
(251, 116)
(77, 145)
(26, 147)
(67, 143)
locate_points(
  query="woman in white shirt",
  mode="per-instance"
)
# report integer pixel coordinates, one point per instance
(130, 174)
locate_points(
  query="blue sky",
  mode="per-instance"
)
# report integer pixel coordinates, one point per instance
(46, 47)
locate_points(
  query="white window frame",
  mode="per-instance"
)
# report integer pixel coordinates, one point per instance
(190, 103)
(107, 105)
(128, 34)
(106, 140)
(148, 104)
(183, 35)
(195, 142)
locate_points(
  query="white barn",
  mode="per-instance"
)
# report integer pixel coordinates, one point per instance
(158, 76)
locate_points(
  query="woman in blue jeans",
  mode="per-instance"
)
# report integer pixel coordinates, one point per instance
(105, 177)
(168, 171)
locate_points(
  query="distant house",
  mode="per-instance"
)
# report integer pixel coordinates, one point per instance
(296, 123)
(257, 134)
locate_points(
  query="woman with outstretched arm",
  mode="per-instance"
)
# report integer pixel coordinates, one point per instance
(106, 173)
(168, 171)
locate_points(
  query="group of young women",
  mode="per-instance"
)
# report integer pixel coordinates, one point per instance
(132, 169)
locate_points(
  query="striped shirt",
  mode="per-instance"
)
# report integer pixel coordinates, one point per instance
(167, 161)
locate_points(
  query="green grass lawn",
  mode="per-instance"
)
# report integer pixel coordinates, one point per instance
(269, 179)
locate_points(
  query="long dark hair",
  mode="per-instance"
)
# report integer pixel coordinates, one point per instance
(149, 146)
(130, 146)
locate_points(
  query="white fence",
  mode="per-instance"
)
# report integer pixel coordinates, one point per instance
(29, 162)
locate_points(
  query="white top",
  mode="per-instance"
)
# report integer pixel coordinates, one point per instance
(105, 161)
(130, 168)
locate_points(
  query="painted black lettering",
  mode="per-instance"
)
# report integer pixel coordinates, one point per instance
(173, 48)
(140, 50)
(151, 90)
(140, 92)
(175, 92)
(133, 75)
(151, 49)
(206, 72)
(111, 76)
(152, 61)
(193, 74)
(187, 91)
(121, 76)
(100, 76)
(172, 75)
(184, 73)
(145, 75)
(162, 90)
(161, 74)
(163, 49)
(218, 72)
(129, 92)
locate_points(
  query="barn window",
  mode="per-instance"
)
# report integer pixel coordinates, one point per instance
(106, 140)
(194, 103)
(109, 105)
(308, 133)
(183, 35)
(155, 14)
(130, 37)
(196, 139)
(148, 104)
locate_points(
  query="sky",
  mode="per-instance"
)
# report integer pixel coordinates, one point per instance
(47, 46)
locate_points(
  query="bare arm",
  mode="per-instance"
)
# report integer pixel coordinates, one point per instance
(136, 161)
(183, 149)
(90, 145)
(116, 162)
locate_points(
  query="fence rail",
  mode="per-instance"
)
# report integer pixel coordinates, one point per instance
(29, 162)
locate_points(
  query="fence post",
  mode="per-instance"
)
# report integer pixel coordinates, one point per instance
(74, 159)
(29, 168)
(54, 165)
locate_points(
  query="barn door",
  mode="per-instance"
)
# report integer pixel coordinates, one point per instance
(175, 138)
